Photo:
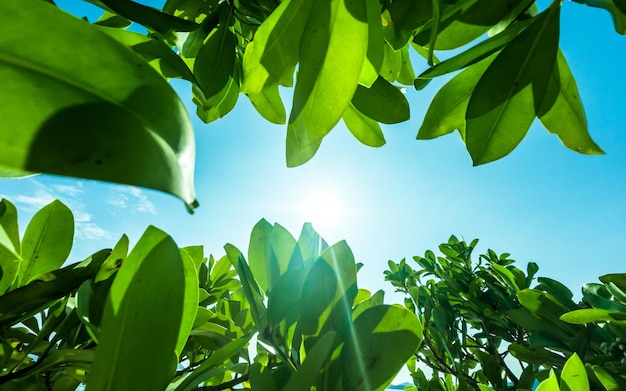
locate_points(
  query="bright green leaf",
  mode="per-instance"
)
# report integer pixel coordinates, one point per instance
(47, 241)
(562, 112)
(81, 104)
(328, 74)
(145, 305)
(574, 375)
(365, 129)
(315, 360)
(9, 245)
(384, 339)
(550, 384)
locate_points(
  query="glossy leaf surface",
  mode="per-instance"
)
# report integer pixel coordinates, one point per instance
(76, 112)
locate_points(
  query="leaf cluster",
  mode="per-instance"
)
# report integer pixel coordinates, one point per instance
(488, 323)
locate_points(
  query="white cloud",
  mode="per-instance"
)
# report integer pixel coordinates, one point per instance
(84, 226)
(70, 190)
(129, 197)
(30, 203)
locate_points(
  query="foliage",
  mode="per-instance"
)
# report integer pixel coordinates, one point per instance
(83, 97)
(159, 317)
(485, 324)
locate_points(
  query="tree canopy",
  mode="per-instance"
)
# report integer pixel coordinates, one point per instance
(82, 96)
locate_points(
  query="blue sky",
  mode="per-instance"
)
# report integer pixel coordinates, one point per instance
(542, 203)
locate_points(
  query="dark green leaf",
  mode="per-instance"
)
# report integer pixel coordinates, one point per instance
(504, 102)
(10, 248)
(315, 360)
(382, 102)
(215, 62)
(149, 16)
(447, 110)
(617, 8)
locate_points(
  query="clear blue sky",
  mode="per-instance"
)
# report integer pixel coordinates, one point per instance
(542, 203)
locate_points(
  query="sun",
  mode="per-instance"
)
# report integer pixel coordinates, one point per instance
(323, 209)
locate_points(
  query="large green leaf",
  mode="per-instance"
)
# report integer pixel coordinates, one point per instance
(510, 92)
(447, 110)
(329, 291)
(328, 73)
(562, 112)
(190, 300)
(142, 318)
(215, 62)
(384, 338)
(315, 360)
(402, 18)
(79, 103)
(574, 375)
(9, 245)
(382, 102)
(47, 241)
(365, 129)
(272, 56)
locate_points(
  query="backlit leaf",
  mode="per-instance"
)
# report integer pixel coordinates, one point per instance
(562, 112)
(328, 74)
(9, 245)
(47, 241)
(447, 110)
(81, 104)
(365, 129)
(574, 375)
(504, 102)
(215, 62)
(142, 318)
(382, 102)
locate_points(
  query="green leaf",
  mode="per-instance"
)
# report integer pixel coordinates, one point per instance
(250, 286)
(315, 360)
(149, 16)
(272, 56)
(261, 257)
(617, 8)
(504, 102)
(47, 241)
(574, 375)
(589, 315)
(447, 110)
(269, 104)
(550, 384)
(113, 262)
(472, 23)
(384, 337)
(210, 367)
(329, 290)
(220, 104)
(29, 299)
(562, 112)
(608, 381)
(328, 74)
(311, 244)
(365, 129)
(190, 301)
(156, 53)
(375, 45)
(402, 18)
(9, 245)
(382, 102)
(97, 104)
(215, 61)
(475, 53)
(142, 318)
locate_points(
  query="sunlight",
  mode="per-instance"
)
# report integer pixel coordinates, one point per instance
(323, 209)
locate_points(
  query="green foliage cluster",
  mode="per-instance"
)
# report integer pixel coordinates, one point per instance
(103, 86)
(161, 317)
(488, 323)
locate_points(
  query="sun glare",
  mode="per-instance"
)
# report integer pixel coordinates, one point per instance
(323, 209)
